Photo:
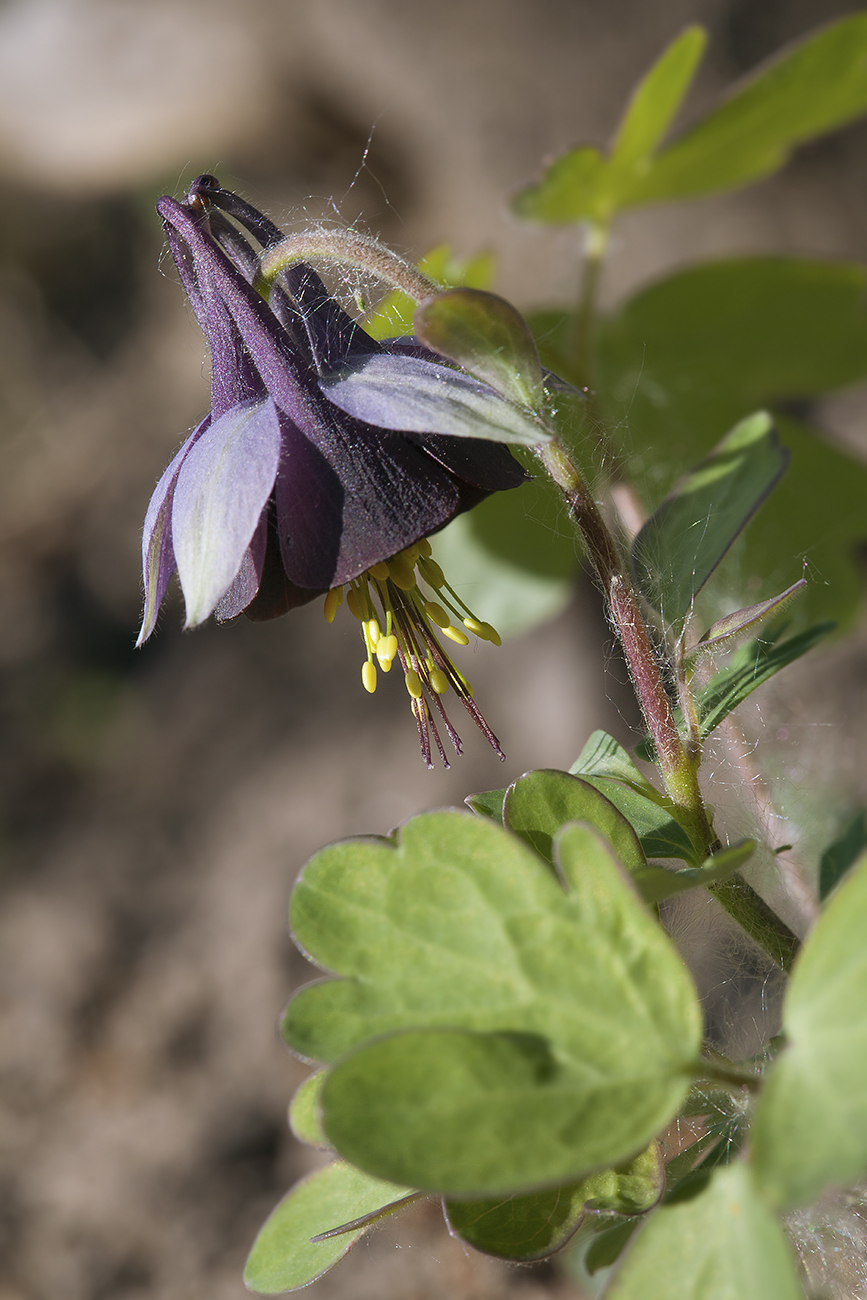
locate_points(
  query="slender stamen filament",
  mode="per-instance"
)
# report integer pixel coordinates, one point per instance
(399, 621)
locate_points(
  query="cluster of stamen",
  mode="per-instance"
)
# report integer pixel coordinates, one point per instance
(398, 621)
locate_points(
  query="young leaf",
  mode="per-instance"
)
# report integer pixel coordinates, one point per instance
(805, 91)
(652, 818)
(655, 883)
(486, 336)
(284, 1258)
(751, 666)
(723, 1243)
(527, 1228)
(810, 1125)
(304, 1118)
(839, 856)
(604, 756)
(684, 540)
(572, 189)
(547, 1034)
(583, 184)
(539, 803)
(656, 99)
(606, 765)
(488, 803)
(734, 627)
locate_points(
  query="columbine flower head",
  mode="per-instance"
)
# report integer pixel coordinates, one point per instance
(326, 461)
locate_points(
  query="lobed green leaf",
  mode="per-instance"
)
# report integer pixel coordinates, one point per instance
(545, 1034)
(720, 1243)
(810, 1124)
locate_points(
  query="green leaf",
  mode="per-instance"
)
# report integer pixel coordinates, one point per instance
(721, 1244)
(839, 856)
(805, 91)
(656, 883)
(687, 536)
(810, 1124)
(605, 756)
(284, 1258)
(304, 1119)
(485, 335)
(583, 184)
(749, 668)
(520, 1228)
(607, 1246)
(572, 189)
(585, 1021)
(652, 819)
(540, 803)
(527, 1228)
(656, 99)
(687, 358)
(513, 558)
(733, 627)
(488, 803)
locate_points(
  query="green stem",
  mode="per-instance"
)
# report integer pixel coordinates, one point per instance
(585, 316)
(679, 767)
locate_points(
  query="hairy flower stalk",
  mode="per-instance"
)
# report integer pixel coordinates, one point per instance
(326, 456)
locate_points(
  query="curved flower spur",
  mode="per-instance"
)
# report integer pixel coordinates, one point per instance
(326, 461)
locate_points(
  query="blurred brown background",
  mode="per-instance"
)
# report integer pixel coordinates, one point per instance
(156, 804)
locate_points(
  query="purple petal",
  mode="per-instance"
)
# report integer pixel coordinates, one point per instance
(404, 392)
(157, 555)
(222, 489)
(348, 496)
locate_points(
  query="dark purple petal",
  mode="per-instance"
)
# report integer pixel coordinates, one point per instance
(157, 554)
(349, 496)
(487, 465)
(221, 491)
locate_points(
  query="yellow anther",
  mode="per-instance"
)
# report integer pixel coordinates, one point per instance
(386, 651)
(353, 604)
(436, 613)
(438, 680)
(413, 683)
(410, 553)
(423, 546)
(483, 631)
(373, 632)
(401, 573)
(368, 676)
(432, 573)
(379, 571)
(455, 634)
(333, 601)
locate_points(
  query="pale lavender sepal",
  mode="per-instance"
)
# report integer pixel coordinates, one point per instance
(222, 489)
(157, 554)
(246, 581)
(406, 393)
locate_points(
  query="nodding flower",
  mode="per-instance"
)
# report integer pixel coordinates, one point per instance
(326, 461)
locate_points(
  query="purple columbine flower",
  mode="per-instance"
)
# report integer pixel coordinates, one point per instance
(325, 462)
